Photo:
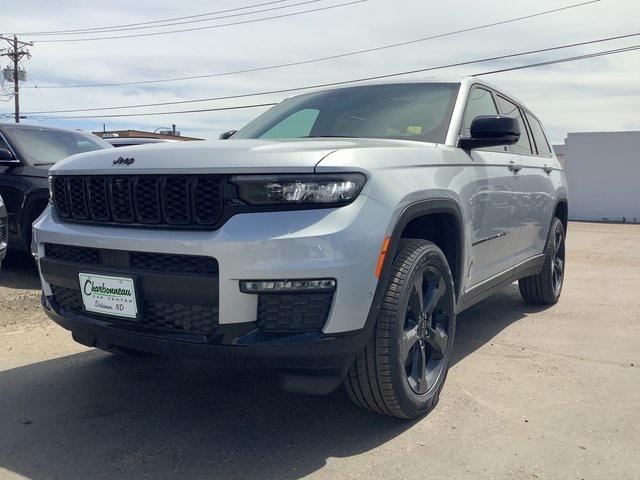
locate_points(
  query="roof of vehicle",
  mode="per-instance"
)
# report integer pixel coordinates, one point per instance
(40, 127)
(137, 140)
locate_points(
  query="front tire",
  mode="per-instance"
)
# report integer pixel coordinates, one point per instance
(404, 366)
(546, 287)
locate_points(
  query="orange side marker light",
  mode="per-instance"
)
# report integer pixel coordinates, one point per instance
(383, 254)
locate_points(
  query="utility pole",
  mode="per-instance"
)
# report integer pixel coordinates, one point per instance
(15, 53)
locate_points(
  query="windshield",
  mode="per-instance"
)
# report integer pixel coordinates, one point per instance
(412, 111)
(42, 146)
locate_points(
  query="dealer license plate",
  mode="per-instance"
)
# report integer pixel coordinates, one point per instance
(109, 295)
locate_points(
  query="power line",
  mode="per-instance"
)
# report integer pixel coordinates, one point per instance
(146, 114)
(238, 107)
(44, 100)
(345, 82)
(240, 22)
(563, 60)
(106, 28)
(331, 57)
(200, 20)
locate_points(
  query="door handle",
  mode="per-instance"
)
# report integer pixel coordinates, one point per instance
(515, 167)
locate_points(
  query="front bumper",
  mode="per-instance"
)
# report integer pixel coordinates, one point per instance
(308, 351)
(341, 244)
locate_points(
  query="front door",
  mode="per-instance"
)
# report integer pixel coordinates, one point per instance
(493, 201)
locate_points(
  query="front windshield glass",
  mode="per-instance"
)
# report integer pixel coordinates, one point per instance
(411, 111)
(42, 146)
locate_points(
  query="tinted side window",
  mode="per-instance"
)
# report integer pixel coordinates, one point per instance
(510, 109)
(480, 102)
(539, 137)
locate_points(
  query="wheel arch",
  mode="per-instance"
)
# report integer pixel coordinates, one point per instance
(561, 211)
(438, 220)
(34, 204)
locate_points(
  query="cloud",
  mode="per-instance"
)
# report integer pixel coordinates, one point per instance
(597, 94)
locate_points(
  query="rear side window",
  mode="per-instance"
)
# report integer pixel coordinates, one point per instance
(539, 137)
(510, 109)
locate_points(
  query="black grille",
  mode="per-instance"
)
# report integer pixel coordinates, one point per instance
(163, 262)
(293, 312)
(200, 319)
(59, 196)
(145, 261)
(174, 201)
(84, 255)
(99, 199)
(78, 198)
(147, 195)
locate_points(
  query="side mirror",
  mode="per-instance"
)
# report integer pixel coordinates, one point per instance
(6, 155)
(227, 135)
(491, 131)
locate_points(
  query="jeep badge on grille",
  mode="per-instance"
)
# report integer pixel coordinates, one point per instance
(124, 161)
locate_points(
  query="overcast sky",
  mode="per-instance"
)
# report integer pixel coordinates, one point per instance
(589, 95)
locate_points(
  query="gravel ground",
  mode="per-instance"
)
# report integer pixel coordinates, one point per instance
(533, 394)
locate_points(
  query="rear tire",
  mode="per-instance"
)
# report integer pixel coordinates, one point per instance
(404, 366)
(546, 287)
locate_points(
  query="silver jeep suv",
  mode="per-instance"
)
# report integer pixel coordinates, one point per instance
(334, 238)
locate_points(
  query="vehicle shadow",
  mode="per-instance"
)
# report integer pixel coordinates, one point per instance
(19, 272)
(478, 325)
(93, 415)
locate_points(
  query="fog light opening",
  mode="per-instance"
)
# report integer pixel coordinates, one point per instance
(288, 286)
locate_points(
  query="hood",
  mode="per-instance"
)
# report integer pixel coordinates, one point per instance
(41, 171)
(222, 156)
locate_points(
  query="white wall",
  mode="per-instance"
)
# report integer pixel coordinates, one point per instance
(560, 151)
(603, 171)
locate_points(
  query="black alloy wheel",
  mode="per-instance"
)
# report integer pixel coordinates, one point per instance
(426, 327)
(545, 287)
(557, 270)
(404, 366)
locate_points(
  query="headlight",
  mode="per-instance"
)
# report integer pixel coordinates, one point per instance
(312, 189)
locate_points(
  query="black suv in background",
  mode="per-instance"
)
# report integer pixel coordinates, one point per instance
(26, 154)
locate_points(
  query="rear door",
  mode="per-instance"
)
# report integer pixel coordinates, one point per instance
(543, 196)
(532, 188)
(492, 204)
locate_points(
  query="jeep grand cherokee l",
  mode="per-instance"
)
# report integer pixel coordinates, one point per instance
(334, 238)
